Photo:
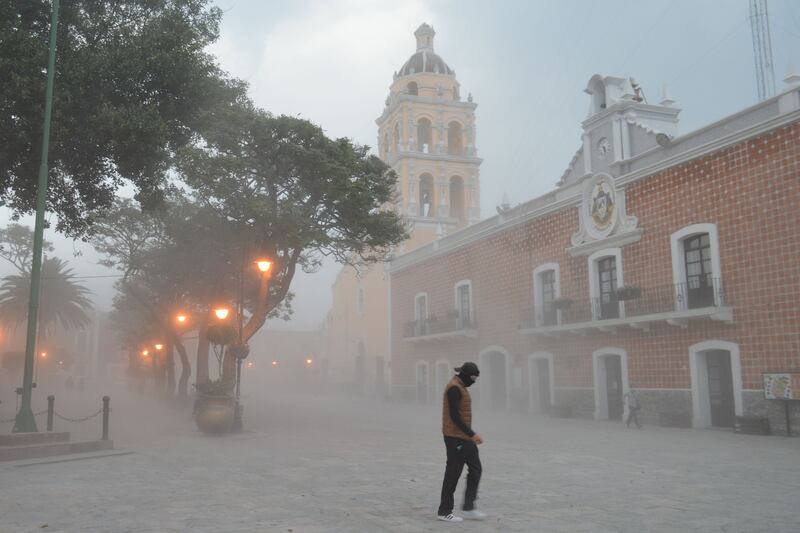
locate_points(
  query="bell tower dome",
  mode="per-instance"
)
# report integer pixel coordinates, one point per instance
(427, 134)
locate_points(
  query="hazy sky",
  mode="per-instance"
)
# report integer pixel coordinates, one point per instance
(526, 64)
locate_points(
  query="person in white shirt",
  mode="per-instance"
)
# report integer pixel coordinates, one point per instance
(632, 402)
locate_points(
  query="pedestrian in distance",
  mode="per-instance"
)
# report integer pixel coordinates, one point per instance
(461, 443)
(632, 402)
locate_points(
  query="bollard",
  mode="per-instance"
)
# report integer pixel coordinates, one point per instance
(51, 401)
(106, 410)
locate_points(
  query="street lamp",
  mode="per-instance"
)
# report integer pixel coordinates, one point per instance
(158, 346)
(222, 312)
(181, 318)
(309, 361)
(241, 351)
(264, 265)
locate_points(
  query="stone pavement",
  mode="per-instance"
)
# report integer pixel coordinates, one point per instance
(320, 464)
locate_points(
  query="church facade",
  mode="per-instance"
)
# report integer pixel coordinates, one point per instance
(427, 135)
(664, 263)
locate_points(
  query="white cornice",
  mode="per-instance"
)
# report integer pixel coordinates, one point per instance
(705, 149)
(439, 157)
(569, 195)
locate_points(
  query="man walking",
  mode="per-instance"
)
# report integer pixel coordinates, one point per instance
(632, 401)
(462, 445)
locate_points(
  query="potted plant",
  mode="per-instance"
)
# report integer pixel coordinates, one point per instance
(562, 303)
(628, 292)
(214, 406)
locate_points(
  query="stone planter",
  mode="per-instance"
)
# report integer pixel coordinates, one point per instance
(214, 414)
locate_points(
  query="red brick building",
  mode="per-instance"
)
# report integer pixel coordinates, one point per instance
(666, 263)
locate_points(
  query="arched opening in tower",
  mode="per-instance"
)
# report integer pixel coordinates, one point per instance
(424, 135)
(426, 205)
(457, 198)
(455, 143)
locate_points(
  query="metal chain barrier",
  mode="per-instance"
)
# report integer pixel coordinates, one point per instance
(83, 419)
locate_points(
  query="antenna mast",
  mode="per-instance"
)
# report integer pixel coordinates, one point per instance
(762, 48)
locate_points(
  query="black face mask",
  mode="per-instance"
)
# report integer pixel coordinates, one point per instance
(467, 380)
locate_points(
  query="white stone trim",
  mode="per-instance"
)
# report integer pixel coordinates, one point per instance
(484, 385)
(594, 285)
(599, 376)
(462, 283)
(533, 378)
(701, 407)
(419, 365)
(679, 261)
(537, 288)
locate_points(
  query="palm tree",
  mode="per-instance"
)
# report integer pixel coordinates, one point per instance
(62, 301)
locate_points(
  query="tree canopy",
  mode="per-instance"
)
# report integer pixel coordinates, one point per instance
(134, 83)
(294, 194)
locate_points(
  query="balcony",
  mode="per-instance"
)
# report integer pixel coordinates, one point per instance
(673, 304)
(452, 327)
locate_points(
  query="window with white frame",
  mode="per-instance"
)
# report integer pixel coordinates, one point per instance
(605, 276)
(464, 304)
(546, 289)
(695, 267)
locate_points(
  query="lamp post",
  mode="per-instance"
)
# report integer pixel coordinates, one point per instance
(25, 420)
(241, 350)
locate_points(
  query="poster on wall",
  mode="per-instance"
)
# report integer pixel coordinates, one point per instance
(782, 386)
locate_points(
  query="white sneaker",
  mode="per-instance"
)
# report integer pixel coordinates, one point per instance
(450, 518)
(474, 514)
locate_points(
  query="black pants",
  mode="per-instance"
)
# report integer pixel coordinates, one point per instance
(459, 453)
(633, 416)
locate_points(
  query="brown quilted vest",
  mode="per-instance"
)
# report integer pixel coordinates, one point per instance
(449, 428)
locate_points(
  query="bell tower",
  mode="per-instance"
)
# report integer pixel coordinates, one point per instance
(426, 133)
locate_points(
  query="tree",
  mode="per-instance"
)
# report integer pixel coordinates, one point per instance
(64, 301)
(177, 258)
(134, 83)
(294, 195)
(16, 246)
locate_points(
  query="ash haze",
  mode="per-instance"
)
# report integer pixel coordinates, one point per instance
(526, 64)
(606, 340)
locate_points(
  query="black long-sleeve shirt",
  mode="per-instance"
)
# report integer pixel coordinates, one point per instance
(454, 399)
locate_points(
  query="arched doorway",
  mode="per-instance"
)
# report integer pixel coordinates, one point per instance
(361, 368)
(423, 382)
(610, 382)
(457, 198)
(541, 389)
(493, 382)
(716, 375)
(443, 375)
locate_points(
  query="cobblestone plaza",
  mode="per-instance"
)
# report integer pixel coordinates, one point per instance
(319, 464)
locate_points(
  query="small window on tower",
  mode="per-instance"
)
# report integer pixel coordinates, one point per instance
(413, 89)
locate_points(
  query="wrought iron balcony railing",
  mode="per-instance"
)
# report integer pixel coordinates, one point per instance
(698, 293)
(451, 325)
